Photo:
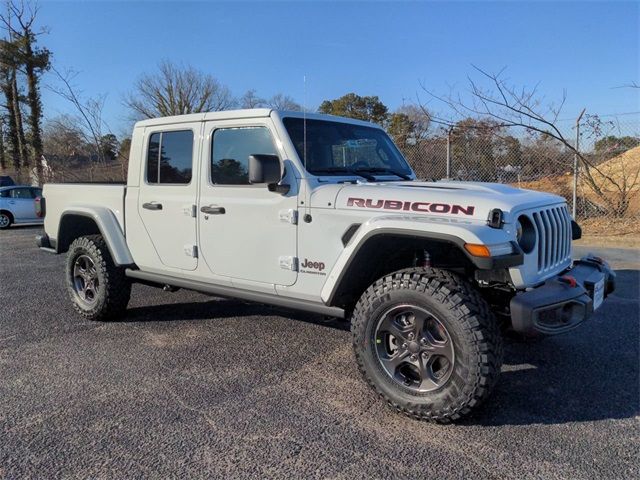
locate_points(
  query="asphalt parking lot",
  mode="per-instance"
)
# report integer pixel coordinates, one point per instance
(194, 386)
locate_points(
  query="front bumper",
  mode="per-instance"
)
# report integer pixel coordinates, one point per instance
(565, 301)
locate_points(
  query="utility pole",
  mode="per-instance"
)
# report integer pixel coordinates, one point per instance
(575, 164)
(449, 152)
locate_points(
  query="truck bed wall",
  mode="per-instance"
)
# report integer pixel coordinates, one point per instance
(61, 197)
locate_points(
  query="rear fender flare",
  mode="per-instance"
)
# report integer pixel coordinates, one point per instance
(109, 228)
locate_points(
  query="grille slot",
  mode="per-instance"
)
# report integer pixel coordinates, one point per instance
(553, 230)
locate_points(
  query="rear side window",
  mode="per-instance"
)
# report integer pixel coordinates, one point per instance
(37, 192)
(21, 193)
(170, 157)
(231, 150)
(4, 193)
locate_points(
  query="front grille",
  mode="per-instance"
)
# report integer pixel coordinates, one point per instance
(553, 227)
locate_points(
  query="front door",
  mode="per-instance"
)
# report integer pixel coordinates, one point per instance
(168, 190)
(246, 231)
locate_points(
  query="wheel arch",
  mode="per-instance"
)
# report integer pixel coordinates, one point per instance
(397, 249)
(80, 221)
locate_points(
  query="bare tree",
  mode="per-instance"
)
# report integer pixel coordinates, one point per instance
(284, 102)
(279, 101)
(89, 121)
(510, 106)
(176, 90)
(251, 100)
(419, 116)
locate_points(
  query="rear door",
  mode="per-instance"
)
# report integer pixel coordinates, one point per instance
(167, 198)
(22, 204)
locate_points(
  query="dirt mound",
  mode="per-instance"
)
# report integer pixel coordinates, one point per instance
(624, 167)
(607, 176)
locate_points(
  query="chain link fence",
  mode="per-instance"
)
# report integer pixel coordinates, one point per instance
(607, 183)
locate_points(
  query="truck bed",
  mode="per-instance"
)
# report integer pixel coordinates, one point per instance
(61, 197)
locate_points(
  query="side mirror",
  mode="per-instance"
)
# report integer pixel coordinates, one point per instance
(264, 169)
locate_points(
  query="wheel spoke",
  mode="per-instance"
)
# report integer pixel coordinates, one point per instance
(427, 380)
(442, 349)
(419, 321)
(393, 362)
(437, 347)
(390, 326)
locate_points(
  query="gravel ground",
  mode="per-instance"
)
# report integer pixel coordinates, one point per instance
(194, 386)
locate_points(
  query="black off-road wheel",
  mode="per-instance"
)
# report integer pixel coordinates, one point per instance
(99, 290)
(426, 341)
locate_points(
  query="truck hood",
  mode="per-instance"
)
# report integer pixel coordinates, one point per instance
(468, 200)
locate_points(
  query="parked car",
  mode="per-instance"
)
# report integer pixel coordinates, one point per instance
(18, 205)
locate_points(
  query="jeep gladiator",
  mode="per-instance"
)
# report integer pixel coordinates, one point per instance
(323, 214)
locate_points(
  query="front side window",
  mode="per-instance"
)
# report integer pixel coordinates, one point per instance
(170, 157)
(337, 148)
(231, 150)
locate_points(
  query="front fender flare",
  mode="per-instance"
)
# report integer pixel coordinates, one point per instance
(109, 228)
(454, 232)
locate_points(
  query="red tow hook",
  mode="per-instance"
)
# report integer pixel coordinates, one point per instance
(569, 280)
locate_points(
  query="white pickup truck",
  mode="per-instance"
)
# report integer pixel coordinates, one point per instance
(323, 214)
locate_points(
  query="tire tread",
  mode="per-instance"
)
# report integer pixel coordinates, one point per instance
(117, 285)
(473, 313)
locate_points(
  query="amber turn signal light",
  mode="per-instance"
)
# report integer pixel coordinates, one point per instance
(477, 250)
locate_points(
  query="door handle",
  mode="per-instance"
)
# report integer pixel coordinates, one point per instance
(213, 210)
(152, 206)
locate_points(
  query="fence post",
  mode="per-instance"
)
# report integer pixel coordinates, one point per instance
(449, 152)
(575, 165)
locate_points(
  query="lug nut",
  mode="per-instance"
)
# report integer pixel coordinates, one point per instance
(410, 336)
(414, 357)
(423, 341)
(404, 346)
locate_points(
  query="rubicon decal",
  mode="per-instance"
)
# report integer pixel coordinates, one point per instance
(425, 207)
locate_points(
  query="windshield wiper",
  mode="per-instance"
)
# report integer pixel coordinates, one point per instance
(346, 171)
(404, 176)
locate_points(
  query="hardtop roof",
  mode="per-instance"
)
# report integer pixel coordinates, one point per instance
(245, 113)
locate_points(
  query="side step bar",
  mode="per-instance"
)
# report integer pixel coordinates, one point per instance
(230, 292)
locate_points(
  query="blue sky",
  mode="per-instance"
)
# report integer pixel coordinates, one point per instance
(374, 48)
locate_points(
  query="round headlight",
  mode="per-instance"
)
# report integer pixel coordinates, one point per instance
(519, 231)
(525, 234)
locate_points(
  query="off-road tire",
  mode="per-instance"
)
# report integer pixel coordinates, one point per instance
(477, 342)
(114, 288)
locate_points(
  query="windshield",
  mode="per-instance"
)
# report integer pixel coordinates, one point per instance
(336, 148)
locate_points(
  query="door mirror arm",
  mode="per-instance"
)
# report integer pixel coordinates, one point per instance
(282, 189)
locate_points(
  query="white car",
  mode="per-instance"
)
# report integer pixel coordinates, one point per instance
(18, 204)
(323, 214)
